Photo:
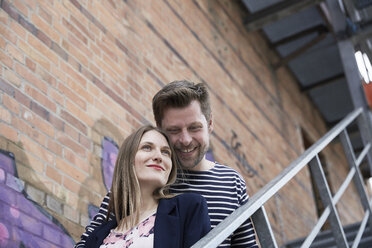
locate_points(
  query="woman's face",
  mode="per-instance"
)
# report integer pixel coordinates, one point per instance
(153, 161)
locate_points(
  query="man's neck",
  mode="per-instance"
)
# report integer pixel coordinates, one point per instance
(203, 165)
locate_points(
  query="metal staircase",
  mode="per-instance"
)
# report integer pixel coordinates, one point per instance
(325, 239)
(357, 235)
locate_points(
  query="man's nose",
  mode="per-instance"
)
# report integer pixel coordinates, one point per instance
(185, 138)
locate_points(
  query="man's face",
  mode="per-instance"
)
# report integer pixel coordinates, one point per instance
(189, 133)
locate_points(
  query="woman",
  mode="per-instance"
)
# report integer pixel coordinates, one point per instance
(146, 215)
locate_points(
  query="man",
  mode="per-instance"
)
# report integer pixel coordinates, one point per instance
(183, 110)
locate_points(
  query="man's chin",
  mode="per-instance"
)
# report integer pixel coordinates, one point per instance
(188, 165)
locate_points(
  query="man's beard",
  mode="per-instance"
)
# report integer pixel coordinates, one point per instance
(190, 163)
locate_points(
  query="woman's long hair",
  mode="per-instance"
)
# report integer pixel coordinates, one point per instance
(125, 196)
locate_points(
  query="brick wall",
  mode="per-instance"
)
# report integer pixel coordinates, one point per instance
(76, 72)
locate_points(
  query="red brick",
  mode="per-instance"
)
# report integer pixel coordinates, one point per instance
(36, 149)
(82, 163)
(46, 29)
(74, 51)
(82, 114)
(70, 170)
(74, 74)
(31, 132)
(79, 46)
(71, 132)
(71, 185)
(15, 53)
(6, 60)
(40, 98)
(43, 125)
(44, 48)
(56, 122)
(5, 114)
(82, 24)
(54, 147)
(85, 142)
(34, 163)
(8, 35)
(30, 64)
(31, 78)
(40, 110)
(47, 77)
(66, 141)
(72, 96)
(53, 174)
(73, 121)
(36, 56)
(60, 51)
(21, 7)
(2, 43)
(74, 31)
(56, 96)
(82, 92)
(45, 15)
(11, 104)
(23, 99)
(18, 29)
(8, 132)
(12, 78)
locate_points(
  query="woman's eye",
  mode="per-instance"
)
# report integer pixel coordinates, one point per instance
(166, 152)
(146, 147)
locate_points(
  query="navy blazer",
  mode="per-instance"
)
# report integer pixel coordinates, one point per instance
(180, 222)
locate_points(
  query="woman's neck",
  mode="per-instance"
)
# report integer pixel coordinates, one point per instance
(148, 202)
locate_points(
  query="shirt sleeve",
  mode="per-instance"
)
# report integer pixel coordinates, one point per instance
(97, 220)
(245, 235)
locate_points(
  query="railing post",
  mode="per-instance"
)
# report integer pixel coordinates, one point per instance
(365, 129)
(263, 229)
(325, 195)
(358, 181)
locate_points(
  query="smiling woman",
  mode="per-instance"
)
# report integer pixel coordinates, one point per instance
(142, 212)
(153, 162)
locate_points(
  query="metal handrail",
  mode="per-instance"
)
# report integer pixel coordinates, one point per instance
(233, 221)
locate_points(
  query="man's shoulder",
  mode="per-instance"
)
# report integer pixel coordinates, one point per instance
(187, 197)
(220, 168)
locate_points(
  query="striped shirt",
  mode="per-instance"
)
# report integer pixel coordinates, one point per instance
(223, 189)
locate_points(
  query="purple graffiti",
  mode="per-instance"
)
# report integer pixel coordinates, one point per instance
(109, 154)
(209, 155)
(23, 222)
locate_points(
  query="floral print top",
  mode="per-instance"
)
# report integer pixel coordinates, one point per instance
(138, 237)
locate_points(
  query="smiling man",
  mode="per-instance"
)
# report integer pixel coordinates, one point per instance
(183, 110)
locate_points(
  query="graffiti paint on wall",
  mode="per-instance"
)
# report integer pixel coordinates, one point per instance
(242, 163)
(23, 222)
(109, 154)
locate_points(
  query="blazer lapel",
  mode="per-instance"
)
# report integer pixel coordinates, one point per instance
(167, 225)
(96, 238)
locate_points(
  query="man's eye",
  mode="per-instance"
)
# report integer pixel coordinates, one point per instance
(172, 131)
(195, 128)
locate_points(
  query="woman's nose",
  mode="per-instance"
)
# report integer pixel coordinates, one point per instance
(157, 156)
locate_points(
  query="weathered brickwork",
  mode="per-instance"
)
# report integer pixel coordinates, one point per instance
(76, 72)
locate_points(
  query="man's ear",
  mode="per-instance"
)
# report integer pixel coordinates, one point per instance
(210, 123)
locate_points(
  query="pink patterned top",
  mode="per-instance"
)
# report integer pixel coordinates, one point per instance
(138, 237)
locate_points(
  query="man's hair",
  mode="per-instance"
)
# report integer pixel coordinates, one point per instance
(179, 94)
(125, 195)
